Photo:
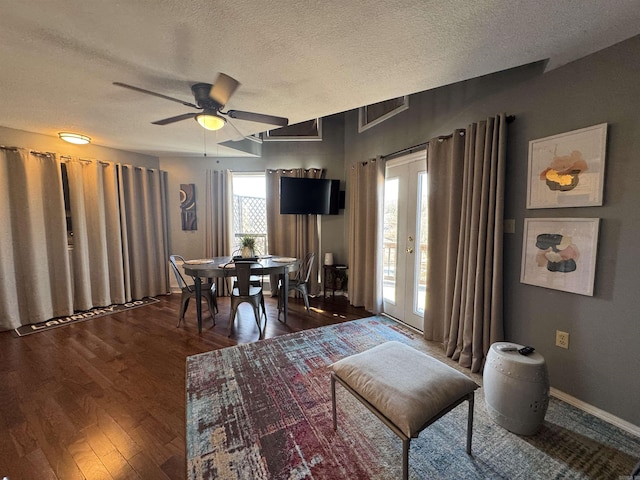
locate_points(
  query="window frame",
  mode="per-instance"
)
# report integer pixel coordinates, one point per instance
(232, 233)
(274, 136)
(362, 114)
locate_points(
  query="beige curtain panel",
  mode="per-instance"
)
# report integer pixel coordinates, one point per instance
(98, 278)
(143, 218)
(119, 251)
(366, 194)
(34, 267)
(292, 235)
(464, 264)
(217, 222)
(218, 213)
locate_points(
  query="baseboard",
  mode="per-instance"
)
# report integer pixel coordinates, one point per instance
(596, 412)
(342, 293)
(410, 327)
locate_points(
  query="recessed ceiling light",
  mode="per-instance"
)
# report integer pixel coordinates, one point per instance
(74, 138)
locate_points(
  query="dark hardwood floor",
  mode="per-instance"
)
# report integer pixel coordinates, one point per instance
(105, 398)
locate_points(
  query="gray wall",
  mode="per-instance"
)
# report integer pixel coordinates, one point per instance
(327, 154)
(601, 365)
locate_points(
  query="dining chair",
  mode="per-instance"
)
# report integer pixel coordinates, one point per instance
(254, 280)
(189, 290)
(244, 290)
(299, 283)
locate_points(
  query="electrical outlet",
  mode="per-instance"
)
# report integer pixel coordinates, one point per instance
(562, 339)
(509, 225)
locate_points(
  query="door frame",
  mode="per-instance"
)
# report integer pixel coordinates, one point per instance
(417, 162)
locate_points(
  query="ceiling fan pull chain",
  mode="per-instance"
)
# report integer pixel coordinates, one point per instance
(204, 138)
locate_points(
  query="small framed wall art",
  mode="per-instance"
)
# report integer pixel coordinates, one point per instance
(560, 253)
(188, 206)
(567, 170)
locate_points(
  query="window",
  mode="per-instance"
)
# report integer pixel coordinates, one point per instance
(390, 239)
(376, 113)
(308, 131)
(67, 203)
(250, 209)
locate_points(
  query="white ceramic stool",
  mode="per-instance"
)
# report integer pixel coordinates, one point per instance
(516, 389)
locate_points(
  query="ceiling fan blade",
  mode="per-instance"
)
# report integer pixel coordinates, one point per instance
(223, 88)
(258, 117)
(177, 118)
(149, 92)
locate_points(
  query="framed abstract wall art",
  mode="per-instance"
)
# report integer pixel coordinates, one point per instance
(560, 253)
(188, 206)
(567, 170)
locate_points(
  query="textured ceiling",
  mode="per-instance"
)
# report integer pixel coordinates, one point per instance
(297, 59)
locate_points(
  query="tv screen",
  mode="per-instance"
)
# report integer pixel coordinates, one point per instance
(309, 196)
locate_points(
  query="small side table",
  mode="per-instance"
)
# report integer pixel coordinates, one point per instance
(334, 278)
(516, 389)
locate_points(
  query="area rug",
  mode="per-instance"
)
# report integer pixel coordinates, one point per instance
(263, 411)
(23, 330)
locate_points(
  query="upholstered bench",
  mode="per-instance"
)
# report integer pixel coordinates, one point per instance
(404, 388)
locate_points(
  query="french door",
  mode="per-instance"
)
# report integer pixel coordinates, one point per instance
(405, 239)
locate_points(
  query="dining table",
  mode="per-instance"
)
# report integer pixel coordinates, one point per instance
(220, 267)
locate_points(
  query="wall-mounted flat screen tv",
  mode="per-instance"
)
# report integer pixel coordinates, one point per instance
(309, 196)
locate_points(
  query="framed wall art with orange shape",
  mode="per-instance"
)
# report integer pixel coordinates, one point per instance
(567, 170)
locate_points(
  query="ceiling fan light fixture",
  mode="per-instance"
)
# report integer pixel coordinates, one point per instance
(210, 121)
(75, 138)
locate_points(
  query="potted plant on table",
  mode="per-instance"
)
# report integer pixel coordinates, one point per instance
(248, 244)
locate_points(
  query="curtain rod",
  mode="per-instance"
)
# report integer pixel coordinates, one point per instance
(69, 158)
(420, 146)
(42, 154)
(415, 148)
(404, 151)
(289, 170)
(33, 152)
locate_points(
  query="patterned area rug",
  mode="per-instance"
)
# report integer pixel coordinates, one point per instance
(23, 330)
(263, 411)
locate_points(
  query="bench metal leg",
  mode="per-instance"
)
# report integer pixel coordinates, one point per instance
(333, 400)
(406, 444)
(406, 441)
(470, 398)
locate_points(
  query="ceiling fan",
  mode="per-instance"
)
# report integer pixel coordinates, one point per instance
(211, 99)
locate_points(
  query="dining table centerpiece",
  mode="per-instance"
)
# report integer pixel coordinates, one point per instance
(248, 246)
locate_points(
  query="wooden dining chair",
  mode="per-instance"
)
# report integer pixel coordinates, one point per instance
(299, 283)
(244, 290)
(189, 290)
